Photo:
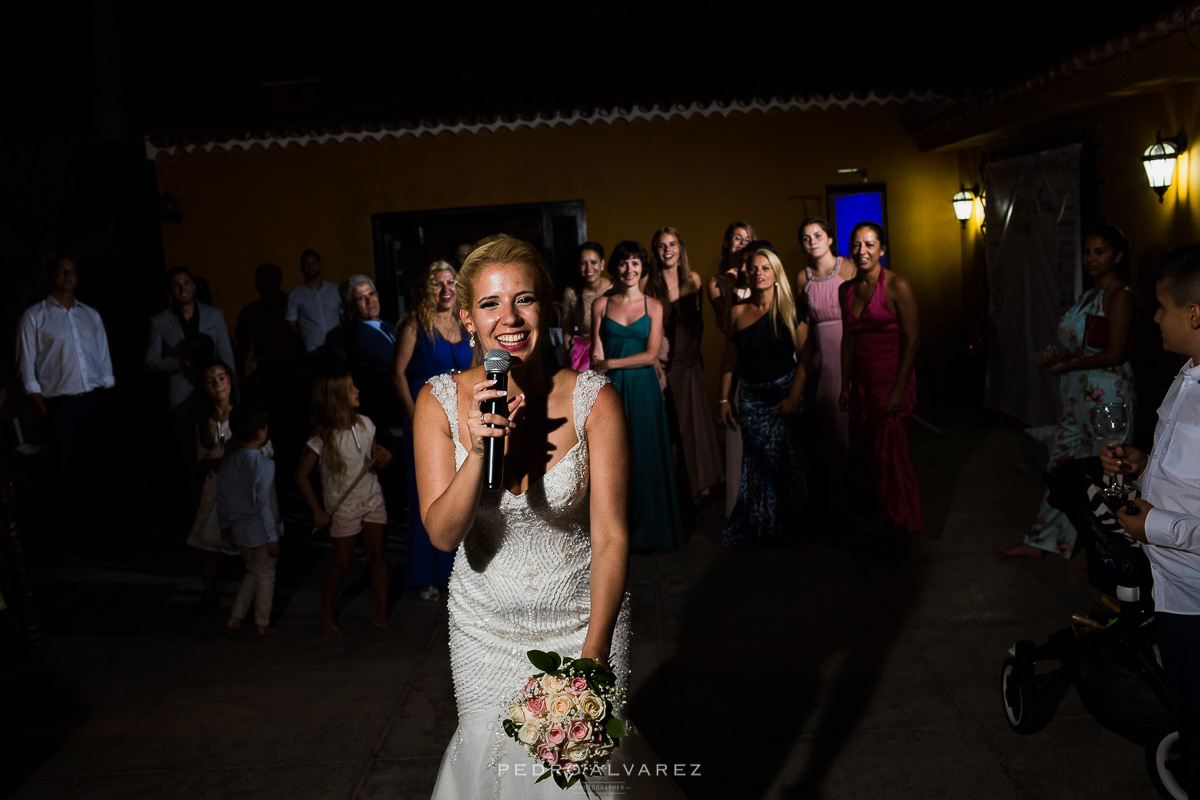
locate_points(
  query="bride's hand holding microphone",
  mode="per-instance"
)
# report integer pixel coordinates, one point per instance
(480, 426)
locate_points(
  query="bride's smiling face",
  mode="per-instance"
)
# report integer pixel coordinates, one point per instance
(505, 312)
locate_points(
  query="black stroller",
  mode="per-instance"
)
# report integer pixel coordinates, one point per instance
(1109, 654)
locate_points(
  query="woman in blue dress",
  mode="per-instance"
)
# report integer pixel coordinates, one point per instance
(1092, 362)
(627, 330)
(432, 341)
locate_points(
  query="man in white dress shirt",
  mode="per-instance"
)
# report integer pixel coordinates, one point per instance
(1168, 517)
(63, 359)
(314, 307)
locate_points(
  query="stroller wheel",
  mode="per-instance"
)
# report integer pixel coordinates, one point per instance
(1163, 759)
(1017, 692)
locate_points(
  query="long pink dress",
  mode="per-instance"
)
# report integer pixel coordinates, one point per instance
(831, 424)
(877, 438)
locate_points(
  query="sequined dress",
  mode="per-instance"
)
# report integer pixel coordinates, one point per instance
(521, 580)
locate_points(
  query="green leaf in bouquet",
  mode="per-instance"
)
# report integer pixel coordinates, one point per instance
(571, 782)
(560, 778)
(510, 728)
(614, 727)
(546, 662)
(544, 775)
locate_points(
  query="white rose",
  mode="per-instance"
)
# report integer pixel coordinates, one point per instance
(591, 705)
(553, 684)
(530, 732)
(516, 713)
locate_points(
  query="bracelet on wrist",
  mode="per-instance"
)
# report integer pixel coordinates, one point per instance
(723, 401)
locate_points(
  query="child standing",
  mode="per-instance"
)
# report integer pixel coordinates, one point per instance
(248, 512)
(343, 441)
(1168, 516)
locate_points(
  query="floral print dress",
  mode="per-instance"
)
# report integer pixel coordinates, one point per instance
(1079, 391)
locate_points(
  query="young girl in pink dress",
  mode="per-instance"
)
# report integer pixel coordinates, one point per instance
(343, 442)
(882, 334)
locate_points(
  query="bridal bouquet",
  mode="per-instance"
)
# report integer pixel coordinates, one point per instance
(564, 718)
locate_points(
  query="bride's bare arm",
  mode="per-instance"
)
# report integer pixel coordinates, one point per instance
(449, 497)
(609, 467)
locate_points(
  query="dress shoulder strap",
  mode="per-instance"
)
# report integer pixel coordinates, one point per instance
(587, 389)
(446, 391)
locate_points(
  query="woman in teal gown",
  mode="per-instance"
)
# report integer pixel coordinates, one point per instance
(627, 330)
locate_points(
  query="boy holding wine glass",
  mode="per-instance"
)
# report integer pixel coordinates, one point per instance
(1168, 513)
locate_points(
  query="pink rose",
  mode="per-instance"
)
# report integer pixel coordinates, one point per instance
(531, 684)
(555, 734)
(577, 686)
(569, 767)
(536, 706)
(581, 730)
(548, 754)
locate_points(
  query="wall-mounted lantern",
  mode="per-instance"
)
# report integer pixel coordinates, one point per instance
(1159, 161)
(964, 203)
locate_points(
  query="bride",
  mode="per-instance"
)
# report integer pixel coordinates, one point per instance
(540, 564)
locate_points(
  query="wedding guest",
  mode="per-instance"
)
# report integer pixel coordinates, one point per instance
(626, 335)
(729, 285)
(1167, 519)
(370, 352)
(183, 338)
(879, 348)
(432, 342)
(819, 282)
(248, 513)
(670, 281)
(765, 347)
(578, 299)
(261, 331)
(1093, 367)
(63, 362)
(314, 308)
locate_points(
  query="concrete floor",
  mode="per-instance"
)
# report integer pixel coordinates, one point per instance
(799, 673)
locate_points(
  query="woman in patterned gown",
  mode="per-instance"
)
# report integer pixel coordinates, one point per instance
(1093, 367)
(540, 563)
(764, 346)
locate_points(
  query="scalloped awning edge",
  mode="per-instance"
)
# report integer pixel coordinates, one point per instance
(599, 116)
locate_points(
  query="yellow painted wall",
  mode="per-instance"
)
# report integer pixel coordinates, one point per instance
(245, 207)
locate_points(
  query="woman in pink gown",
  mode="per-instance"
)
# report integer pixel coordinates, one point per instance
(879, 348)
(820, 281)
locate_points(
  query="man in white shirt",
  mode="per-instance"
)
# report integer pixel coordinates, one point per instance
(314, 307)
(63, 359)
(1168, 515)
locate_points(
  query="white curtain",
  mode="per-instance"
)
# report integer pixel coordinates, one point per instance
(1034, 275)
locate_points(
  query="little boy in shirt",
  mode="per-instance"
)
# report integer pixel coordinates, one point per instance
(248, 512)
(1168, 516)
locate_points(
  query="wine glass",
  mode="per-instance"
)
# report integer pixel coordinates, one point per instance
(1110, 424)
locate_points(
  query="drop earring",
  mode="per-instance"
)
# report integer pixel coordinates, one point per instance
(471, 340)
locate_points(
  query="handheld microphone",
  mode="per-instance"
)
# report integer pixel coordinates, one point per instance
(496, 364)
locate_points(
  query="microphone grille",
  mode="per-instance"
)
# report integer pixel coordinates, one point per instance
(497, 361)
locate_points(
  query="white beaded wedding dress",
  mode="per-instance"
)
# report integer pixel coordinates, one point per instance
(521, 581)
